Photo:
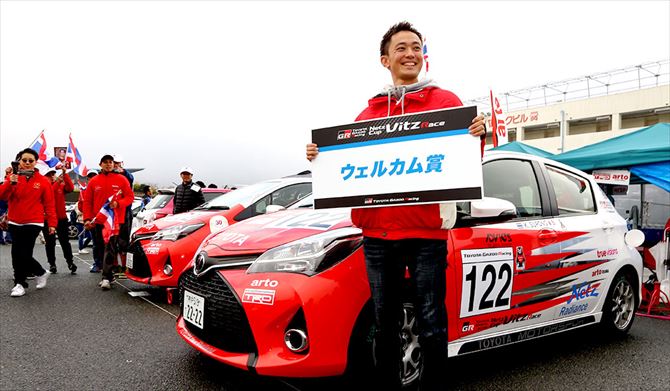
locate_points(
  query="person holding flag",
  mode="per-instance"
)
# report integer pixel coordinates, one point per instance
(107, 196)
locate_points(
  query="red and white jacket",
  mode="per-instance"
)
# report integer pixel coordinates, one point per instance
(98, 191)
(59, 189)
(30, 201)
(412, 221)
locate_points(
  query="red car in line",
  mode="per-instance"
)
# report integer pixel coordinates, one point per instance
(159, 251)
(287, 295)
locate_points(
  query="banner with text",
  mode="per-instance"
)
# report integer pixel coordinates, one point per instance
(415, 158)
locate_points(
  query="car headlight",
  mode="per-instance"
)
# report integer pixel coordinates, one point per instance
(176, 232)
(310, 255)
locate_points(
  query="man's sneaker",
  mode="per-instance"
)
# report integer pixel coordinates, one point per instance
(41, 280)
(95, 269)
(105, 285)
(83, 251)
(72, 267)
(53, 269)
(18, 291)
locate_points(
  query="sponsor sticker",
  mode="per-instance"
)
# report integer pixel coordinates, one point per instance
(232, 237)
(487, 255)
(259, 296)
(152, 248)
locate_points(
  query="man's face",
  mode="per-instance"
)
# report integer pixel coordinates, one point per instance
(186, 177)
(107, 165)
(404, 58)
(118, 164)
(61, 154)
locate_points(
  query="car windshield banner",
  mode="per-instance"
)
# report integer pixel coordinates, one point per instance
(410, 159)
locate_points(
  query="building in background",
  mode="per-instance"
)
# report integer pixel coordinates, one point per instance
(590, 109)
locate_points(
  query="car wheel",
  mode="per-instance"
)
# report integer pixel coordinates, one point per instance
(362, 347)
(620, 305)
(72, 232)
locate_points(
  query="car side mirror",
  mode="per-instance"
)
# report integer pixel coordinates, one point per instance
(273, 208)
(489, 207)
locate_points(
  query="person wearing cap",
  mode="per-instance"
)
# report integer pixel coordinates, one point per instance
(105, 186)
(86, 236)
(60, 185)
(187, 195)
(124, 229)
(29, 199)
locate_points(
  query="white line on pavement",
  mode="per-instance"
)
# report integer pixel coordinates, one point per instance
(130, 290)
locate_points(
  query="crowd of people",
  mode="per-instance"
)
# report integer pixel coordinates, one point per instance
(32, 205)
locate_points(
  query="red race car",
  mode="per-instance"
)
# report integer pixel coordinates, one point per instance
(159, 251)
(287, 295)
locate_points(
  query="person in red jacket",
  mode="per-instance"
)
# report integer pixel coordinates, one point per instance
(60, 185)
(30, 200)
(400, 238)
(100, 189)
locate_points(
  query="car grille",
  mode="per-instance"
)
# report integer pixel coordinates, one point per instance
(140, 262)
(225, 325)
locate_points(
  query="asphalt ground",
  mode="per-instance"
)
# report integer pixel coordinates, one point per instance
(73, 336)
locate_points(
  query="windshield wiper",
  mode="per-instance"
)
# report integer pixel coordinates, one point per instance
(217, 207)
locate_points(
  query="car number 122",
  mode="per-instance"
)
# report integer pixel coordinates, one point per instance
(194, 308)
(486, 287)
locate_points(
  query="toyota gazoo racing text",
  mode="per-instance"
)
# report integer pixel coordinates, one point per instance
(159, 251)
(286, 294)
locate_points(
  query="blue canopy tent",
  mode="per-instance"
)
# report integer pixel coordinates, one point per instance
(516, 146)
(645, 152)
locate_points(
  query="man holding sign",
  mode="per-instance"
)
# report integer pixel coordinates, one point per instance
(407, 236)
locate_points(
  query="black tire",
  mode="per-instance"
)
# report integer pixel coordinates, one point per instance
(620, 305)
(361, 349)
(72, 232)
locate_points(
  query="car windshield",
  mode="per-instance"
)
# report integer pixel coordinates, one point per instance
(239, 196)
(159, 201)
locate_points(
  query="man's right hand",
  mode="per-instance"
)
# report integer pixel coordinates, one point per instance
(312, 150)
(88, 225)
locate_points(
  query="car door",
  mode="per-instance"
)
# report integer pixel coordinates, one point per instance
(492, 281)
(587, 253)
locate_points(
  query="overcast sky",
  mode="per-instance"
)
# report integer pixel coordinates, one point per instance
(233, 89)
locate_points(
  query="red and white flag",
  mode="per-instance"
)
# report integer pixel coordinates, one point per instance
(107, 218)
(498, 129)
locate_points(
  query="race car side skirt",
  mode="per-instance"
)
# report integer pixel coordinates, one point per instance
(524, 335)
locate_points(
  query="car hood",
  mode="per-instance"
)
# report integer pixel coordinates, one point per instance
(193, 217)
(261, 233)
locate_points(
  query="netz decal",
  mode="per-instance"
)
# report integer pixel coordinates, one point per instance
(494, 342)
(259, 296)
(583, 291)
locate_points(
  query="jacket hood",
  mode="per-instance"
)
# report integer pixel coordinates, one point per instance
(399, 92)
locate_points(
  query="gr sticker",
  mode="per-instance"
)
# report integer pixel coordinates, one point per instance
(217, 223)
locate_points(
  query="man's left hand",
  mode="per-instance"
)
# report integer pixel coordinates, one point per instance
(52, 230)
(477, 128)
(113, 204)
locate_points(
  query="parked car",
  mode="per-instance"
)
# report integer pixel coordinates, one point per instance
(162, 205)
(159, 251)
(286, 294)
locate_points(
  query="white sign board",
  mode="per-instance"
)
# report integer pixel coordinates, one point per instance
(411, 159)
(612, 177)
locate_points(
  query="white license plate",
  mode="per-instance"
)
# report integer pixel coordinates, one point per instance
(194, 308)
(129, 260)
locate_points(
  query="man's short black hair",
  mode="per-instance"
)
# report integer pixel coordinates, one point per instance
(396, 28)
(27, 150)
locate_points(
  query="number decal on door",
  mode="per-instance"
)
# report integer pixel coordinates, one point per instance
(487, 281)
